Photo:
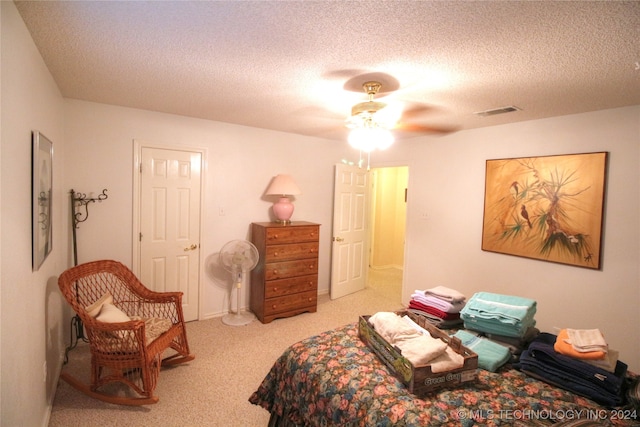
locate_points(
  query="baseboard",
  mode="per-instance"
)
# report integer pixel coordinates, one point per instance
(386, 267)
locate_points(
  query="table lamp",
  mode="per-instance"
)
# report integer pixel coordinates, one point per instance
(283, 186)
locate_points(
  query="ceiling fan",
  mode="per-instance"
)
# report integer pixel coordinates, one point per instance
(373, 113)
(372, 122)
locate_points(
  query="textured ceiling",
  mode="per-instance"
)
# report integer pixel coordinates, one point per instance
(294, 66)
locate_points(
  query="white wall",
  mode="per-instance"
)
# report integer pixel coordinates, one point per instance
(447, 182)
(31, 305)
(389, 217)
(240, 164)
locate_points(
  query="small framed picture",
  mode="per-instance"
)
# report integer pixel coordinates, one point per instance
(41, 193)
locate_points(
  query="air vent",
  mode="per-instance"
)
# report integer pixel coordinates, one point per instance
(501, 110)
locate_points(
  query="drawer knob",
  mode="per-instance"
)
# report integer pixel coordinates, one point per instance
(275, 271)
(310, 299)
(275, 254)
(274, 306)
(311, 267)
(275, 289)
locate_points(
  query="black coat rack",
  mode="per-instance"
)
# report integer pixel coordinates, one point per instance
(79, 213)
(80, 201)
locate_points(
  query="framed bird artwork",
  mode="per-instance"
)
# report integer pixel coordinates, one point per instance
(549, 208)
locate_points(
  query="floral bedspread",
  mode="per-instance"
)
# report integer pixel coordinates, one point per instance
(334, 379)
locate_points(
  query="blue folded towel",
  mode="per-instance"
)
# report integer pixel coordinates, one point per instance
(491, 355)
(495, 327)
(505, 308)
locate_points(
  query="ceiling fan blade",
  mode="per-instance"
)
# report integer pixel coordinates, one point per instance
(390, 115)
(418, 128)
(346, 73)
(413, 110)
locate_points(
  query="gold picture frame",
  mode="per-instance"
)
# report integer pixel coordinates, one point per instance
(41, 202)
(549, 208)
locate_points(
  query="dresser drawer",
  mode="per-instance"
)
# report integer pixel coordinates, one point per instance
(291, 251)
(278, 288)
(282, 270)
(290, 302)
(292, 234)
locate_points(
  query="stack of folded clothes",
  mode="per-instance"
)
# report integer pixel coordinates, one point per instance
(439, 305)
(588, 345)
(502, 326)
(542, 361)
(415, 343)
(515, 345)
(495, 350)
(499, 315)
(491, 355)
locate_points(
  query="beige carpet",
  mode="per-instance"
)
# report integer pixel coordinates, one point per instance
(213, 390)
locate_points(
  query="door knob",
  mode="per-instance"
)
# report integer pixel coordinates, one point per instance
(191, 248)
(338, 239)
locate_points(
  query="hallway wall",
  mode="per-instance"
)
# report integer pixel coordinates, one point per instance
(389, 213)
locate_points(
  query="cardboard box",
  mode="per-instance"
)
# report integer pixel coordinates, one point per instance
(420, 380)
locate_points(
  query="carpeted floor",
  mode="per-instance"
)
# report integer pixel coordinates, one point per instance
(230, 363)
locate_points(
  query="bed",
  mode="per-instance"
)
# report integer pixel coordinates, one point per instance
(334, 379)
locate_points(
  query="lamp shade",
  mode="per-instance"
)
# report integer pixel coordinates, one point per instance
(283, 185)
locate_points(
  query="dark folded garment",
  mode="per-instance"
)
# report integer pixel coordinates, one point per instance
(437, 321)
(515, 342)
(542, 361)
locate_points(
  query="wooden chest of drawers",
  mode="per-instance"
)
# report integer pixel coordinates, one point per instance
(285, 281)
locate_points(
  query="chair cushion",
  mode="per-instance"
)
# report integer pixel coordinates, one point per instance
(94, 309)
(154, 327)
(103, 310)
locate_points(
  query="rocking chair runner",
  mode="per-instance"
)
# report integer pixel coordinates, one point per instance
(128, 328)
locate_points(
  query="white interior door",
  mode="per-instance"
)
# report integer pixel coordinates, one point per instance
(169, 223)
(350, 248)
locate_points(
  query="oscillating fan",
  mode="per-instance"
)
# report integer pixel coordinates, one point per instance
(238, 257)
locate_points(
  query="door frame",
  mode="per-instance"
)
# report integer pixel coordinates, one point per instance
(374, 181)
(394, 164)
(138, 145)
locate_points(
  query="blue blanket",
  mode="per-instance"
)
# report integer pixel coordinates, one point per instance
(541, 361)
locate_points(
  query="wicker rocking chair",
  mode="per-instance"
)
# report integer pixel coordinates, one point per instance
(128, 327)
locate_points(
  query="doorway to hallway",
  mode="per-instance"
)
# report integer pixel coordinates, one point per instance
(388, 228)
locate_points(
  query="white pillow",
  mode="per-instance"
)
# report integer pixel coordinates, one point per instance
(94, 309)
(109, 313)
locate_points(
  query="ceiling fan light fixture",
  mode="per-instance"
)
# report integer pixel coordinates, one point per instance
(367, 107)
(368, 139)
(389, 116)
